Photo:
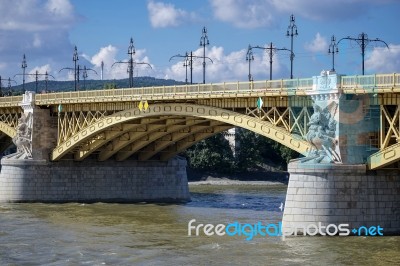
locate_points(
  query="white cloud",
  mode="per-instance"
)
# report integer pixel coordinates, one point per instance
(227, 67)
(112, 70)
(37, 28)
(244, 13)
(41, 70)
(164, 15)
(383, 60)
(319, 44)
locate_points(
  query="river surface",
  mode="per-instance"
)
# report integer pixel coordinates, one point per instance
(157, 234)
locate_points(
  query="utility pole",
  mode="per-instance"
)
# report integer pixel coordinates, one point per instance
(271, 50)
(363, 41)
(291, 31)
(249, 57)
(189, 60)
(333, 49)
(131, 63)
(37, 74)
(102, 69)
(131, 52)
(9, 85)
(24, 66)
(203, 42)
(75, 58)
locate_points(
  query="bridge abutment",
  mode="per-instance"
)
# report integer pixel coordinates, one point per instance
(341, 194)
(93, 181)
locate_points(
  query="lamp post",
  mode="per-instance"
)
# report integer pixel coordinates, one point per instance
(23, 66)
(291, 31)
(189, 62)
(9, 86)
(271, 50)
(203, 42)
(249, 57)
(131, 63)
(37, 74)
(131, 52)
(333, 49)
(75, 58)
(363, 41)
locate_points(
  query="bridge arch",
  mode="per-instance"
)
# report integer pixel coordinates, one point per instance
(8, 130)
(218, 120)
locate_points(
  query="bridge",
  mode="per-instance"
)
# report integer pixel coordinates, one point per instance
(333, 120)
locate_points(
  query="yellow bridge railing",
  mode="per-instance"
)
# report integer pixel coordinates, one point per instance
(285, 87)
(10, 101)
(379, 83)
(371, 83)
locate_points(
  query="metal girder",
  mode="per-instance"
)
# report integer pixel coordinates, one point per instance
(384, 157)
(172, 138)
(264, 128)
(110, 134)
(123, 154)
(118, 144)
(6, 129)
(190, 140)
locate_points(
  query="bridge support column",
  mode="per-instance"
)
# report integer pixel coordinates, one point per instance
(93, 181)
(341, 194)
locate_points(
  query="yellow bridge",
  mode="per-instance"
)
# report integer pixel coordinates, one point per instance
(157, 123)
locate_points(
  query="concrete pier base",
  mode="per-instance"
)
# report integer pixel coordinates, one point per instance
(93, 181)
(341, 194)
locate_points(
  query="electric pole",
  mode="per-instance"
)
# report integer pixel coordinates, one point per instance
(363, 41)
(249, 57)
(271, 50)
(333, 49)
(203, 42)
(292, 32)
(75, 58)
(24, 66)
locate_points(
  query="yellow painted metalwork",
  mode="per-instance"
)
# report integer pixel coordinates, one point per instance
(378, 83)
(173, 137)
(384, 157)
(6, 129)
(190, 140)
(118, 144)
(185, 110)
(10, 101)
(110, 134)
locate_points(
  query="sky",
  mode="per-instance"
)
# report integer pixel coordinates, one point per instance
(47, 31)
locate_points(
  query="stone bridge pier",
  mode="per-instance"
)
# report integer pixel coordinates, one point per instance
(30, 176)
(332, 185)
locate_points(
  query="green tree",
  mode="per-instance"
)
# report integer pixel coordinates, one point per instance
(211, 154)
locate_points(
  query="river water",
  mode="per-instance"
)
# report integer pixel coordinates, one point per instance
(157, 234)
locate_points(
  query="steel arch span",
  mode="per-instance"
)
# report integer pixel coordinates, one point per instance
(163, 129)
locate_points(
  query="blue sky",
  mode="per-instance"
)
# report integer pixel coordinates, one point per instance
(47, 31)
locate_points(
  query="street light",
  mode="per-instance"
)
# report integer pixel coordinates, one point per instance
(9, 86)
(291, 31)
(271, 50)
(85, 75)
(333, 49)
(203, 42)
(37, 74)
(249, 57)
(189, 62)
(24, 66)
(131, 52)
(75, 58)
(363, 41)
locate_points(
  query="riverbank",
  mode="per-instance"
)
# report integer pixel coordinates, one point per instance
(257, 178)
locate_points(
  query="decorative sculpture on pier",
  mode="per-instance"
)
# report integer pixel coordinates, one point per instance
(23, 139)
(321, 134)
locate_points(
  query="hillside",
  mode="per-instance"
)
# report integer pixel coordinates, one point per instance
(56, 86)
